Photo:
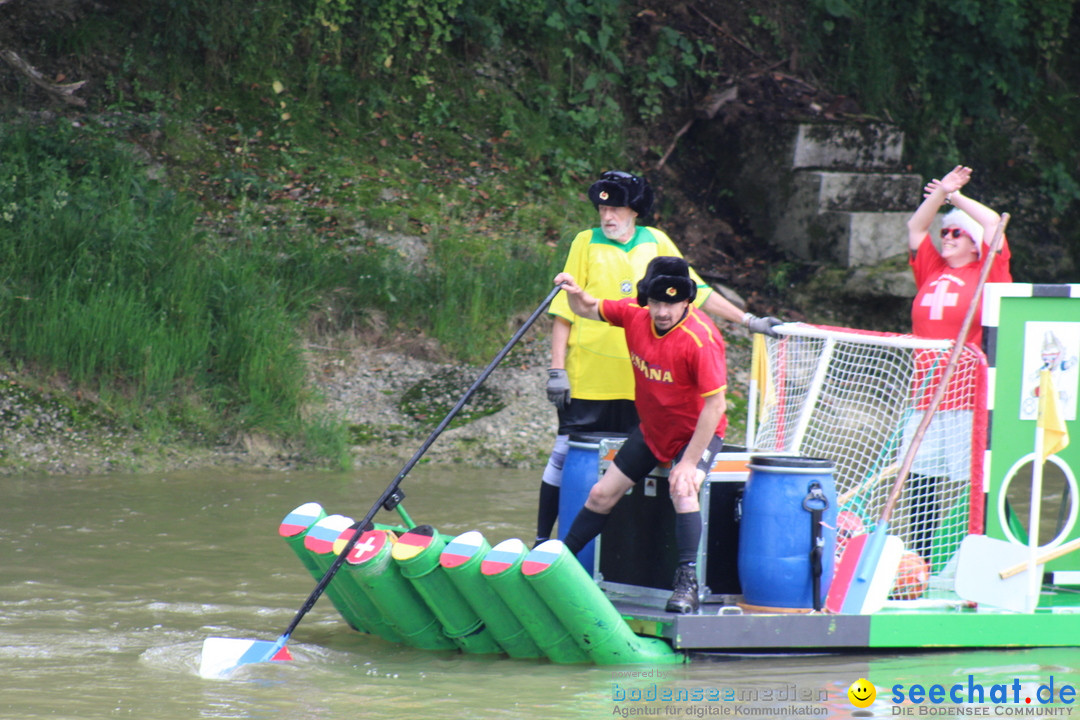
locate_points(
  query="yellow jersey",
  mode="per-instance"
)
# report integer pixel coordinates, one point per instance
(597, 361)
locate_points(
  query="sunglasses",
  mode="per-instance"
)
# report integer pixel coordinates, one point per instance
(954, 232)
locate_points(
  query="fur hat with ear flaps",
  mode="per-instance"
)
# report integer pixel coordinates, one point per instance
(622, 189)
(667, 279)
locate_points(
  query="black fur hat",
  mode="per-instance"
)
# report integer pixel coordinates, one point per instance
(622, 189)
(667, 278)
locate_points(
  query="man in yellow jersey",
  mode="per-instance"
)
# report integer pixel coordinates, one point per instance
(591, 380)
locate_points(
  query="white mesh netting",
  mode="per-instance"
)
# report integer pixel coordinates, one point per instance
(856, 398)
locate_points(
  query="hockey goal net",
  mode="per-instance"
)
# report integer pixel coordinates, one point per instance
(856, 397)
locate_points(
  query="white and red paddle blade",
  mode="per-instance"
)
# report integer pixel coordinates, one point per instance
(845, 573)
(866, 573)
(882, 578)
(220, 656)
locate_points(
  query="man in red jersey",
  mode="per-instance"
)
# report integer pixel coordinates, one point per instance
(590, 380)
(680, 376)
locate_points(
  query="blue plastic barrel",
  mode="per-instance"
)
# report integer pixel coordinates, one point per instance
(580, 472)
(776, 531)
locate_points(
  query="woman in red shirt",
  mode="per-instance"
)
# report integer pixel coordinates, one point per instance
(946, 278)
(945, 281)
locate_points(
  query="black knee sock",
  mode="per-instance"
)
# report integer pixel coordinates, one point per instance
(585, 527)
(548, 510)
(687, 536)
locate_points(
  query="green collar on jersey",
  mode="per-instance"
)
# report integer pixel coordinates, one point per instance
(642, 236)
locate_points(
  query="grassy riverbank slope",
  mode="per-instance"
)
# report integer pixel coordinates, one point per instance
(244, 200)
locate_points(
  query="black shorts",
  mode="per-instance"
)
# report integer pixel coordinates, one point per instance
(586, 416)
(636, 460)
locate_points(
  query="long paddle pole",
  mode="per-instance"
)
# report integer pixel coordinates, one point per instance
(271, 650)
(362, 525)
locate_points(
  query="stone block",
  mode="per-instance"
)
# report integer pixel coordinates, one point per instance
(866, 192)
(827, 193)
(866, 147)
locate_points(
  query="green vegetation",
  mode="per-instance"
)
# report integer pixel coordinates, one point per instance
(954, 69)
(250, 176)
(991, 83)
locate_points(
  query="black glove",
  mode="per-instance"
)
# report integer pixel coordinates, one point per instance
(763, 325)
(558, 388)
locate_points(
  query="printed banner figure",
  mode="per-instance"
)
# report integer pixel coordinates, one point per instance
(1053, 346)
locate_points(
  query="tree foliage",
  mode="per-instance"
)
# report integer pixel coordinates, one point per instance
(990, 82)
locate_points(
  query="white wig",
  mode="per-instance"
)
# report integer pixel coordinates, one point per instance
(960, 219)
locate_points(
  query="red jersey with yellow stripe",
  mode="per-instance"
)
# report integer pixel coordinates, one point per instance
(673, 373)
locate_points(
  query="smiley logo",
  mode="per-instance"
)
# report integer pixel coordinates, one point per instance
(862, 693)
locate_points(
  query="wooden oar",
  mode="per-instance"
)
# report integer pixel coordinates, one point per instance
(867, 570)
(220, 656)
(979, 580)
(1042, 559)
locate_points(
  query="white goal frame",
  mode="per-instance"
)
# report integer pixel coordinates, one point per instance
(853, 396)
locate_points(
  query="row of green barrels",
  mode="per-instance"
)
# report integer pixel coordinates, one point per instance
(434, 592)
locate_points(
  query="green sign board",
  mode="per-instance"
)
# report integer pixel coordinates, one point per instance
(1029, 328)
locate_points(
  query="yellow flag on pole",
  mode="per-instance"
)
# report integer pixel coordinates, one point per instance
(761, 374)
(1055, 434)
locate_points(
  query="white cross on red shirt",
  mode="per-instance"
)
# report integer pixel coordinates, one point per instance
(941, 298)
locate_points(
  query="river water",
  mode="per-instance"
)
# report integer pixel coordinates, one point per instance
(109, 585)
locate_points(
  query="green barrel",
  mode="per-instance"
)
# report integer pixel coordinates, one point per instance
(560, 580)
(461, 559)
(378, 623)
(319, 555)
(501, 568)
(417, 555)
(295, 526)
(369, 564)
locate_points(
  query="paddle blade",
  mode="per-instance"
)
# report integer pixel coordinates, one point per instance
(978, 564)
(865, 574)
(845, 572)
(220, 656)
(875, 577)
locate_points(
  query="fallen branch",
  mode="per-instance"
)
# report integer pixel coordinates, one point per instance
(706, 109)
(674, 141)
(65, 91)
(724, 31)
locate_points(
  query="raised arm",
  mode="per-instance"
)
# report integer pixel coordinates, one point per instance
(978, 212)
(934, 196)
(581, 302)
